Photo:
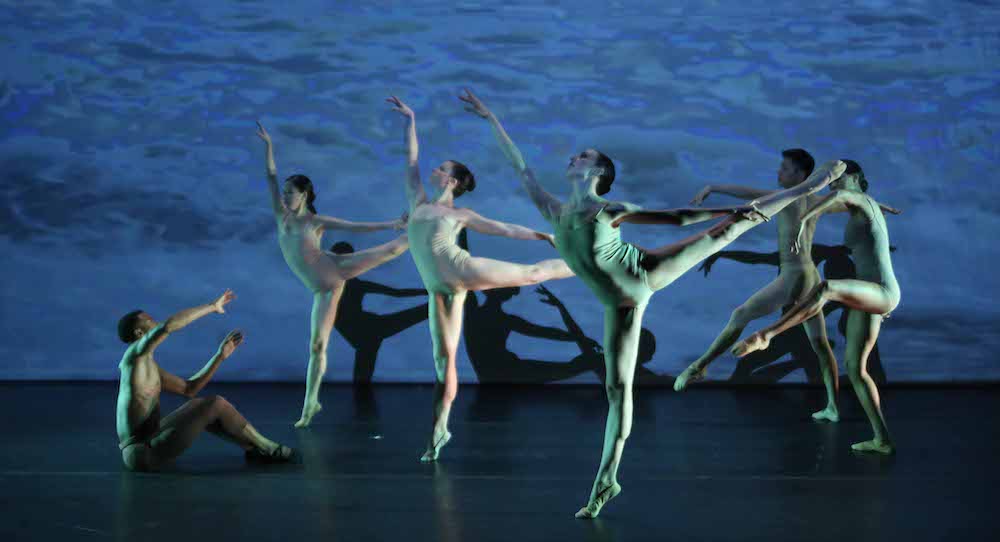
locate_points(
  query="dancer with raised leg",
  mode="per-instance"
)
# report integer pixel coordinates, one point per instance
(449, 272)
(870, 297)
(797, 275)
(148, 443)
(624, 276)
(300, 231)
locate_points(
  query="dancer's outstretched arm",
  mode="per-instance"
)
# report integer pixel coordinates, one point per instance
(148, 342)
(735, 190)
(190, 387)
(415, 194)
(546, 203)
(272, 172)
(481, 224)
(331, 223)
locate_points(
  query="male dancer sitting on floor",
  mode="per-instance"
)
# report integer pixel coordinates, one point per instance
(146, 442)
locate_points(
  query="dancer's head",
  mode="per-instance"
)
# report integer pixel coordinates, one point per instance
(342, 247)
(134, 325)
(298, 192)
(796, 166)
(592, 164)
(454, 176)
(852, 179)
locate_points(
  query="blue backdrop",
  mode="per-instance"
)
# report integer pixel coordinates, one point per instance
(133, 179)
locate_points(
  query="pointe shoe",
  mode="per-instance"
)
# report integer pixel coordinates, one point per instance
(594, 507)
(307, 416)
(431, 455)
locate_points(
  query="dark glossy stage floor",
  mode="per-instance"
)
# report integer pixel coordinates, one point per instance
(709, 464)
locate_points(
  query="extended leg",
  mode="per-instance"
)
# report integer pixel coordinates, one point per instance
(445, 315)
(622, 326)
(486, 273)
(815, 329)
(353, 264)
(862, 332)
(214, 414)
(862, 295)
(324, 312)
(767, 300)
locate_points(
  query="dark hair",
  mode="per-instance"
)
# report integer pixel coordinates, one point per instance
(466, 180)
(854, 168)
(802, 160)
(303, 184)
(342, 247)
(604, 181)
(127, 325)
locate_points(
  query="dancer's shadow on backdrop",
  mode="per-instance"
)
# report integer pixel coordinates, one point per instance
(365, 331)
(765, 367)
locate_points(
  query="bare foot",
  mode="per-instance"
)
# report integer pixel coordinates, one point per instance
(433, 451)
(753, 343)
(689, 376)
(874, 446)
(308, 412)
(829, 414)
(593, 507)
(280, 454)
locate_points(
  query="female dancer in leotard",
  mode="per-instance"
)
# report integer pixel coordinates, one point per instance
(299, 233)
(449, 272)
(624, 276)
(870, 297)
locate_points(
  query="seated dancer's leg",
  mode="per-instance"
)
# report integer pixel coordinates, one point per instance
(853, 293)
(445, 317)
(216, 415)
(486, 274)
(353, 264)
(324, 313)
(765, 301)
(862, 332)
(622, 327)
(815, 329)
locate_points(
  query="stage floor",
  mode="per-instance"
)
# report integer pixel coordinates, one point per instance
(708, 464)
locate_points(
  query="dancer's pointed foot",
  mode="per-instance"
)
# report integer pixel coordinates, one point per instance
(431, 455)
(593, 507)
(828, 414)
(753, 343)
(308, 411)
(280, 454)
(876, 446)
(689, 376)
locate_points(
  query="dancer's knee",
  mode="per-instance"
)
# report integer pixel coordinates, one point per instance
(616, 390)
(317, 347)
(740, 317)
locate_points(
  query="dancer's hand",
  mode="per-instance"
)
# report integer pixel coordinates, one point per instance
(752, 213)
(700, 196)
(229, 344)
(262, 133)
(400, 223)
(399, 106)
(890, 210)
(547, 237)
(475, 106)
(707, 263)
(219, 304)
(797, 244)
(547, 296)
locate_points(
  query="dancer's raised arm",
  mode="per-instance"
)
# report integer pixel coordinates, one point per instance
(546, 203)
(192, 385)
(735, 190)
(332, 223)
(481, 224)
(415, 194)
(272, 172)
(149, 341)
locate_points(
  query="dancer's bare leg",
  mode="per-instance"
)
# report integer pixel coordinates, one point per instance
(445, 317)
(765, 301)
(815, 329)
(856, 294)
(353, 264)
(486, 274)
(214, 414)
(862, 332)
(622, 326)
(324, 312)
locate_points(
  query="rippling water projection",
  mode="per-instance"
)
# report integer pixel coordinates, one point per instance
(133, 178)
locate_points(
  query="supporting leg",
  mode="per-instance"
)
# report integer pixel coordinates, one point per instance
(324, 312)
(815, 329)
(862, 332)
(445, 316)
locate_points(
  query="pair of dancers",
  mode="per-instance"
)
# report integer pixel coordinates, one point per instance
(621, 275)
